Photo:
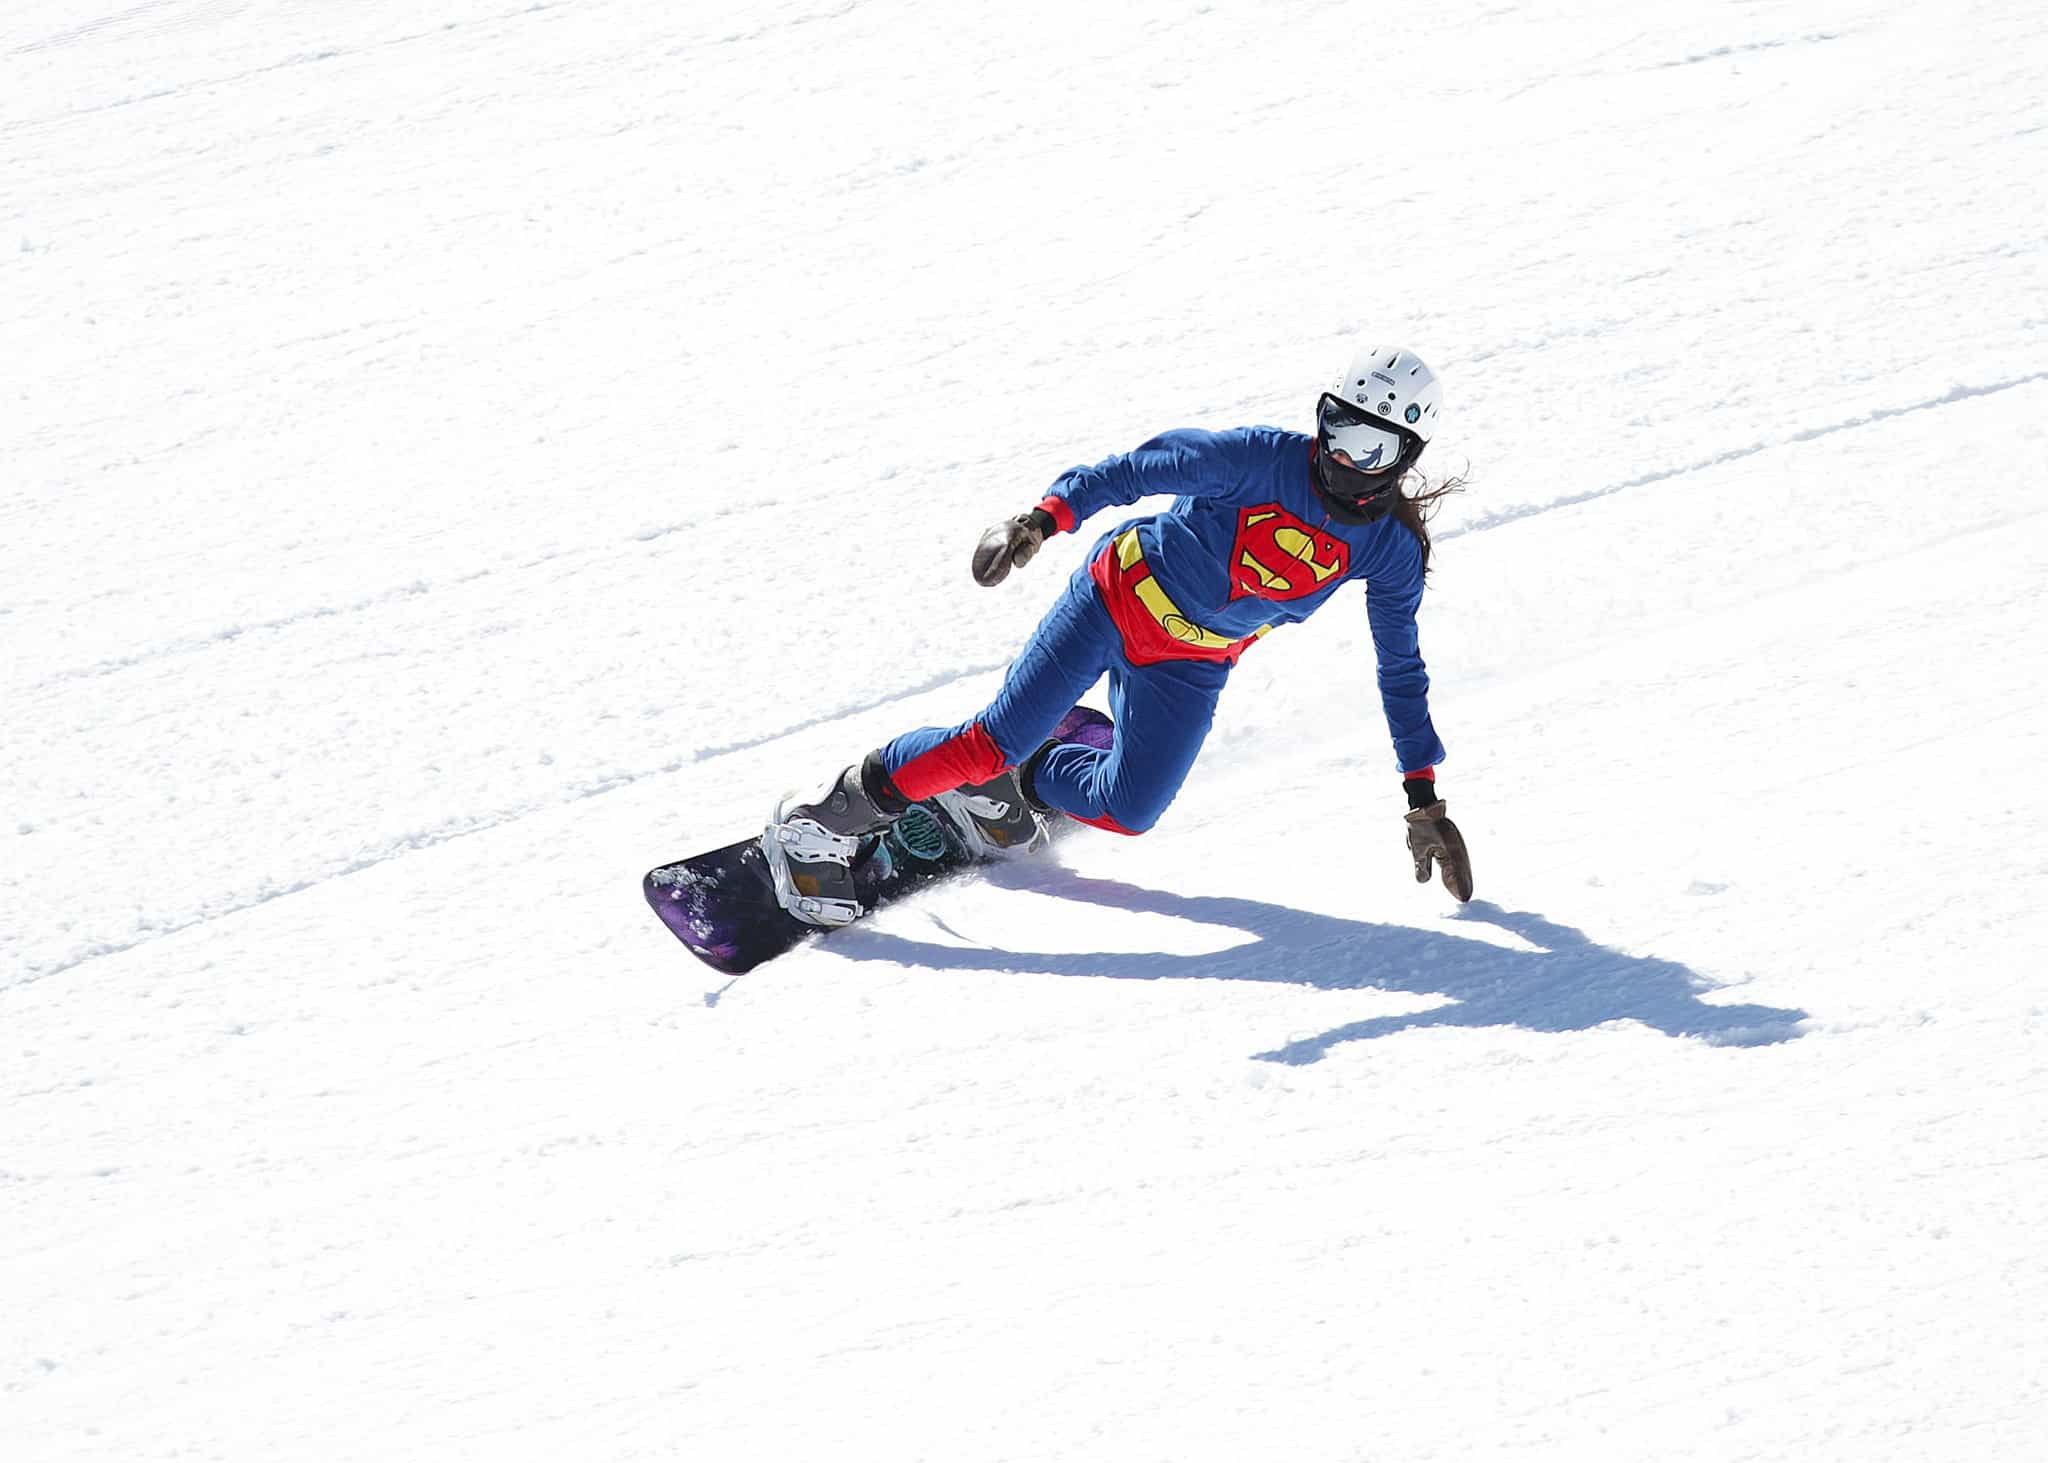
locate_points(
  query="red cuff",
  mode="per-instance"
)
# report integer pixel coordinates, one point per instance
(1427, 774)
(1059, 512)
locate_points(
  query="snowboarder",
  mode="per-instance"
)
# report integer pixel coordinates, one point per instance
(1265, 526)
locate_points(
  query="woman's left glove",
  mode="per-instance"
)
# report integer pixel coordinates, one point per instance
(1433, 838)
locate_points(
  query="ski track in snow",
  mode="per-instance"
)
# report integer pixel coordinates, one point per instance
(1500, 517)
(469, 827)
(197, 644)
(1747, 48)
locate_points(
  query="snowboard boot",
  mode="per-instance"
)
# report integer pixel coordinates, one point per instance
(1084, 726)
(1028, 770)
(812, 846)
(992, 818)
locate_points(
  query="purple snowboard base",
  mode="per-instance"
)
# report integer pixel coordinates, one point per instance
(721, 904)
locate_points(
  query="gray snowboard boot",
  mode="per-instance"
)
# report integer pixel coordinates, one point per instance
(811, 846)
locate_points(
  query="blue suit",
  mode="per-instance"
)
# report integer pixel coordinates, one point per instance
(1165, 605)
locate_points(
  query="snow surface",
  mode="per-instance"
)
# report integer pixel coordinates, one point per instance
(455, 455)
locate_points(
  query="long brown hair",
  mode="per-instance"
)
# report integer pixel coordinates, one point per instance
(1416, 502)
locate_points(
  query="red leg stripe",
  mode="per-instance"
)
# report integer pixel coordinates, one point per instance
(1108, 824)
(970, 757)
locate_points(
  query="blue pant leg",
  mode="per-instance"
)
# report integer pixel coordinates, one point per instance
(1163, 713)
(1071, 648)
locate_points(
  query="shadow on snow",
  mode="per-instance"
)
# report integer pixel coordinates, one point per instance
(1567, 983)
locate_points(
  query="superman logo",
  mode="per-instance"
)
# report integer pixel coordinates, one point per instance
(1277, 556)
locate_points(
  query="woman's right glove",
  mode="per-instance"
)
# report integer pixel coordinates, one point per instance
(1433, 838)
(1010, 545)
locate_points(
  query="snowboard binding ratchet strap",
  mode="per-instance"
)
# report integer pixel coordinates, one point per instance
(812, 870)
(992, 819)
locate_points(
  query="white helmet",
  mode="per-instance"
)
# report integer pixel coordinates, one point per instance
(1393, 383)
(1372, 424)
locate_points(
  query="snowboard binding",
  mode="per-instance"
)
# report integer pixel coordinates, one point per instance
(811, 847)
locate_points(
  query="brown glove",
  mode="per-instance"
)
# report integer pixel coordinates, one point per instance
(1010, 545)
(1434, 838)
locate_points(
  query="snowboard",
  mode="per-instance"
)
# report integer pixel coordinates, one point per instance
(722, 905)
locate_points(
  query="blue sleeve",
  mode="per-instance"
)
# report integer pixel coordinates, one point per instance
(1390, 606)
(1184, 463)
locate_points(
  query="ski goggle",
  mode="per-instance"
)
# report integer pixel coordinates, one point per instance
(1368, 445)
